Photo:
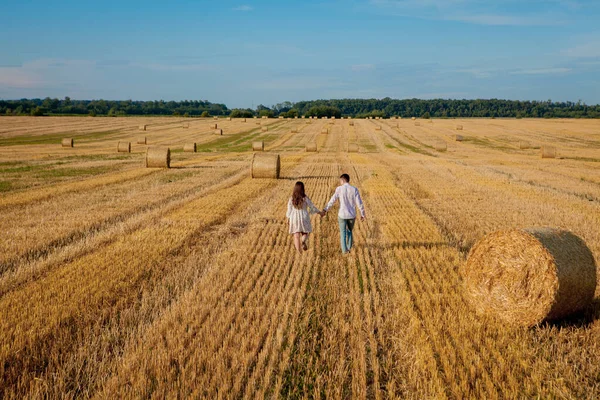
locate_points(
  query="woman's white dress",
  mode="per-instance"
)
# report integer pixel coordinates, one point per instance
(300, 218)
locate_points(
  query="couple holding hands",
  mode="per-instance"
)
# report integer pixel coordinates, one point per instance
(300, 207)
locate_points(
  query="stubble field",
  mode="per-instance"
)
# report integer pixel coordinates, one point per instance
(120, 281)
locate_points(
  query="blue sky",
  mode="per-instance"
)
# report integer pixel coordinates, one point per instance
(244, 53)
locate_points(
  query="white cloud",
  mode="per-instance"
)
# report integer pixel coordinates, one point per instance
(362, 67)
(541, 71)
(586, 49)
(243, 7)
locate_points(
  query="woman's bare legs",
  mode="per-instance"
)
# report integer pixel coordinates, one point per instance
(298, 242)
(304, 240)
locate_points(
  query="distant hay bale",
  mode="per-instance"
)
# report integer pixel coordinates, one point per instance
(218, 131)
(185, 125)
(281, 117)
(352, 148)
(417, 123)
(458, 138)
(378, 118)
(214, 126)
(264, 129)
(548, 152)
(324, 131)
(189, 147)
(351, 123)
(430, 121)
(414, 118)
(141, 140)
(525, 277)
(158, 157)
(257, 123)
(333, 117)
(524, 145)
(243, 119)
(124, 147)
(311, 147)
(264, 117)
(303, 117)
(142, 127)
(229, 119)
(441, 146)
(294, 130)
(215, 118)
(258, 146)
(255, 117)
(459, 127)
(266, 165)
(378, 128)
(308, 121)
(67, 142)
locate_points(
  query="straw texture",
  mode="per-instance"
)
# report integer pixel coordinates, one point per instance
(141, 140)
(548, 152)
(258, 146)
(524, 277)
(142, 127)
(441, 146)
(524, 145)
(189, 147)
(124, 147)
(352, 148)
(158, 157)
(266, 165)
(67, 142)
(311, 147)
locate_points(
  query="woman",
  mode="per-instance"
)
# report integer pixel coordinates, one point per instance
(298, 211)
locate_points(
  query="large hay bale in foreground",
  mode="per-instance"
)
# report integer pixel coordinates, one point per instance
(142, 127)
(141, 140)
(524, 145)
(258, 146)
(67, 142)
(189, 148)
(459, 127)
(266, 165)
(548, 152)
(124, 147)
(158, 157)
(524, 277)
(441, 146)
(352, 148)
(458, 138)
(311, 147)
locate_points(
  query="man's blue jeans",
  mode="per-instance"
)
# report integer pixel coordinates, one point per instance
(346, 226)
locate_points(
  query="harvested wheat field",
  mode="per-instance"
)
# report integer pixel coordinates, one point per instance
(122, 281)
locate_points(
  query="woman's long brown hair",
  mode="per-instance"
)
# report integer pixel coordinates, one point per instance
(298, 195)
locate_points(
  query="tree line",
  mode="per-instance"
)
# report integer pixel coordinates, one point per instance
(356, 108)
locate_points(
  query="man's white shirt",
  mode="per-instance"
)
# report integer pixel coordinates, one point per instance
(349, 198)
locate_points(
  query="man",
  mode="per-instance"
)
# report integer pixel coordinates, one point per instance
(349, 198)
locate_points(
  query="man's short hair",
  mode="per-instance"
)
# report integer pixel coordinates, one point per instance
(345, 177)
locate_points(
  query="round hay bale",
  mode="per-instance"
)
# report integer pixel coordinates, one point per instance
(185, 126)
(548, 152)
(67, 142)
(124, 147)
(324, 131)
(158, 157)
(527, 276)
(228, 118)
(459, 127)
(264, 129)
(308, 121)
(351, 123)
(441, 146)
(266, 165)
(258, 146)
(189, 148)
(141, 140)
(214, 126)
(294, 130)
(524, 145)
(142, 127)
(352, 148)
(311, 147)
(458, 138)
(414, 118)
(417, 124)
(378, 128)
(243, 119)
(218, 131)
